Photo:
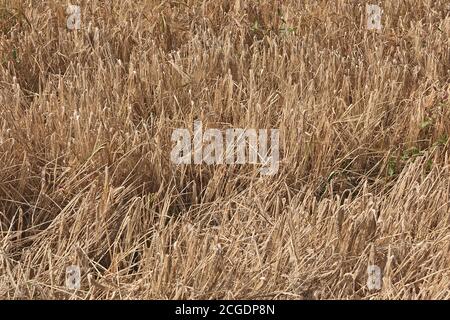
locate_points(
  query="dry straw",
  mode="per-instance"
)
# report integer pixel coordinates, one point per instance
(86, 118)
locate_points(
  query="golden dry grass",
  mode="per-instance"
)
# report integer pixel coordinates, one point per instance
(85, 174)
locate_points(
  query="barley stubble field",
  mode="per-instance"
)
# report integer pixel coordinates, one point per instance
(86, 178)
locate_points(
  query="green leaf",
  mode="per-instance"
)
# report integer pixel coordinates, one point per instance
(391, 168)
(426, 123)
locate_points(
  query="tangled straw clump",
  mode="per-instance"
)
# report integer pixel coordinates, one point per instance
(86, 179)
